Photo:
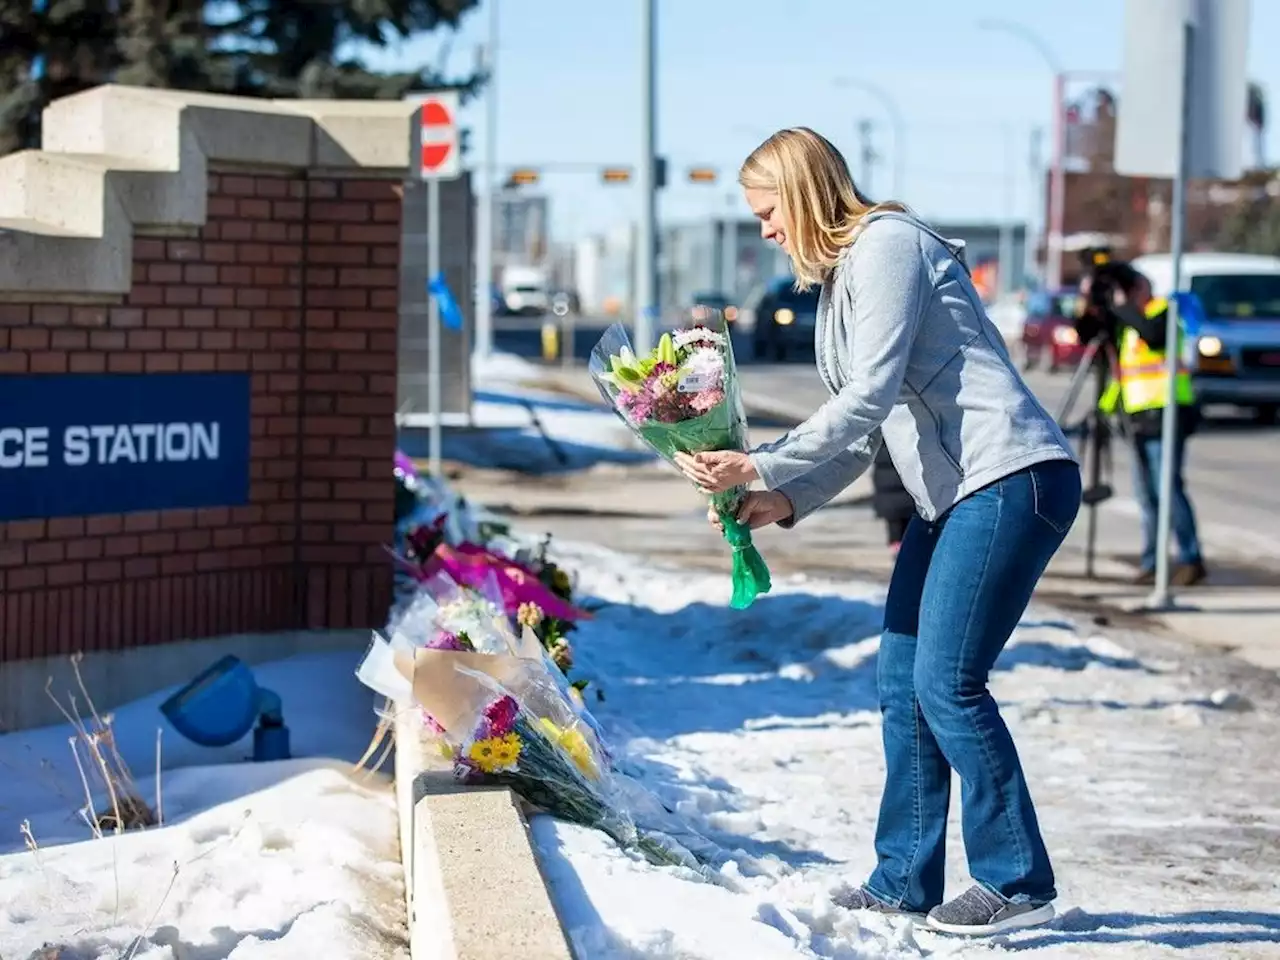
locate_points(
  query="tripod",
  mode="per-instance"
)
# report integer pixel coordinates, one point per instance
(1100, 359)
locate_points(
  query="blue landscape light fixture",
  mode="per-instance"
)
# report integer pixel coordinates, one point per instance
(223, 704)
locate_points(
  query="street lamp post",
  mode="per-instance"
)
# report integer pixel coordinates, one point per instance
(646, 236)
(1057, 186)
(488, 177)
(895, 118)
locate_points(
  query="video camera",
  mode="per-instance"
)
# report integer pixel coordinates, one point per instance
(1106, 275)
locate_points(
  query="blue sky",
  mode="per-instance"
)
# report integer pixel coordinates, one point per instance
(732, 71)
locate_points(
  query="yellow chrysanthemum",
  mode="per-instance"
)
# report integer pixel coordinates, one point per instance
(496, 754)
(575, 745)
(560, 580)
(529, 615)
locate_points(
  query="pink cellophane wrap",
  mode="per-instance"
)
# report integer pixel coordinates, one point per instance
(471, 565)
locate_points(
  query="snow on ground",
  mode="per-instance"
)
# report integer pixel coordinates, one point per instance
(255, 861)
(762, 728)
(521, 427)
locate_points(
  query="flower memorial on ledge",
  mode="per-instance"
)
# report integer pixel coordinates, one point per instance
(683, 397)
(476, 653)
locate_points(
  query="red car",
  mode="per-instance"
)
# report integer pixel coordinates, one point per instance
(1049, 332)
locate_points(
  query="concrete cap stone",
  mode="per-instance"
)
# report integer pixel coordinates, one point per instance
(118, 158)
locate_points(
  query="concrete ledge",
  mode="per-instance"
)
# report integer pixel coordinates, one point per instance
(121, 676)
(473, 886)
(117, 159)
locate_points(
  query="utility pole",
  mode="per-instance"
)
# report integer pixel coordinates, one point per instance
(646, 236)
(1036, 205)
(868, 156)
(1005, 269)
(1184, 81)
(488, 177)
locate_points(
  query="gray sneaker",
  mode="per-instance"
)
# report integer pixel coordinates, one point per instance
(859, 899)
(980, 913)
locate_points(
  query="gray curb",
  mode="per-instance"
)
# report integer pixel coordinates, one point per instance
(473, 886)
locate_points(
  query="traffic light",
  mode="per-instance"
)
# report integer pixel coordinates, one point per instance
(522, 178)
(703, 175)
(616, 175)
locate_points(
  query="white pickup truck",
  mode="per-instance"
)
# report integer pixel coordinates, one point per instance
(1237, 353)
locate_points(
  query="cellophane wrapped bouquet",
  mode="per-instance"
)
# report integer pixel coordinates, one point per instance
(683, 397)
(499, 709)
(523, 734)
(447, 616)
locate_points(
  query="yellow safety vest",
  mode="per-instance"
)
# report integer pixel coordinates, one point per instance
(1144, 378)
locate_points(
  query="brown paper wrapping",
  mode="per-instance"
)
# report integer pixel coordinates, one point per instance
(453, 697)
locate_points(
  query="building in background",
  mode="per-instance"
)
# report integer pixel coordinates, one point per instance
(717, 255)
(521, 229)
(728, 257)
(1133, 215)
(604, 272)
(982, 253)
(703, 257)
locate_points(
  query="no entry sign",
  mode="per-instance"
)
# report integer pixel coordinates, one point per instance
(439, 155)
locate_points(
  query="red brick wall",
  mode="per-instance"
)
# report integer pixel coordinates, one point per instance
(297, 282)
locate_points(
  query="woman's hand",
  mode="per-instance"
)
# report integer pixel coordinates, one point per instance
(758, 509)
(714, 472)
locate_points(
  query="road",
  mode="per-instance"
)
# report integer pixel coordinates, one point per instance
(1232, 469)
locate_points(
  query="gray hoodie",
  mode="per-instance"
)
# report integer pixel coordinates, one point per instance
(907, 352)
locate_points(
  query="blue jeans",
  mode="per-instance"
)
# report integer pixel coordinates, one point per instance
(1146, 488)
(960, 587)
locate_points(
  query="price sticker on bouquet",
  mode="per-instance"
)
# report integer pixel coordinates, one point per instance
(695, 381)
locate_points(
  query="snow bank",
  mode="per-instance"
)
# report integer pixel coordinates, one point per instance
(255, 861)
(762, 728)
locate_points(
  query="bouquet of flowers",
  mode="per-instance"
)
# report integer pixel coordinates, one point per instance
(516, 732)
(447, 616)
(497, 708)
(683, 397)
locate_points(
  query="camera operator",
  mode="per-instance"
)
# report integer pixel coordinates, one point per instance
(1122, 306)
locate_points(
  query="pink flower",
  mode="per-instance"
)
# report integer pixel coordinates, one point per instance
(637, 406)
(500, 717)
(704, 401)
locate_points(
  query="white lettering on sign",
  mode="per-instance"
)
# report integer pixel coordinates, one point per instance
(24, 447)
(108, 443)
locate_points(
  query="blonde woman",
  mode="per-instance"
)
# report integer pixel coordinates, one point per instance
(910, 359)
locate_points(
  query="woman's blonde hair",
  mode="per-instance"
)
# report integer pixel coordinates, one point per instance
(820, 204)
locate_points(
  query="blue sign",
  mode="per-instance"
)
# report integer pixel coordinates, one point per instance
(450, 314)
(1190, 313)
(81, 445)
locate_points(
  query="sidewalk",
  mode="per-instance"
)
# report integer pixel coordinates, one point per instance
(653, 512)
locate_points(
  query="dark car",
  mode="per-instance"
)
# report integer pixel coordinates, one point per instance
(784, 319)
(1050, 330)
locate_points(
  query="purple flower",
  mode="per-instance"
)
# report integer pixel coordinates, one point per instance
(637, 406)
(405, 465)
(500, 717)
(444, 640)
